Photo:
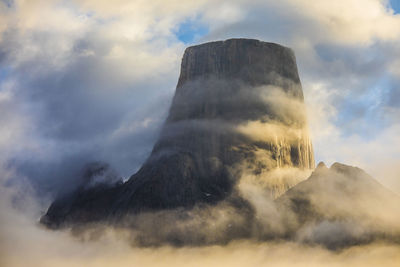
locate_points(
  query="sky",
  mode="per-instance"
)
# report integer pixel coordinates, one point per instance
(86, 80)
(395, 5)
(92, 80)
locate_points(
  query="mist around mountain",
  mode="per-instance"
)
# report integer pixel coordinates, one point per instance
(353, 221)
(336, 207)
(92, 81)
(233, 162)
(238, 110)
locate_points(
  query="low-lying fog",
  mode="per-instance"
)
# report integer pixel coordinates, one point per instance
(24, 241)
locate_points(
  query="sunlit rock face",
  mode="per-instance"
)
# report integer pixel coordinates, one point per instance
(238, 106)
(238, 111)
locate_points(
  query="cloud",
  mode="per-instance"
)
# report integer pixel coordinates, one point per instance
(80, 85)
(111, 63)
(104, 246)
(347, 60)
(92, 80)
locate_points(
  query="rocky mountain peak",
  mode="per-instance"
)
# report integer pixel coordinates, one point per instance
(238, 110)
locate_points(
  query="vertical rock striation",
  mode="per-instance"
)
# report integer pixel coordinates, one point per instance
(238, 107)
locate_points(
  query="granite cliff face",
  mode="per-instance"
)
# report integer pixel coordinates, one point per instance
(238, 110)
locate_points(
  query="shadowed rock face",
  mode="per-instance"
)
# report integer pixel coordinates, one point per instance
(251, 61)
(238, 106)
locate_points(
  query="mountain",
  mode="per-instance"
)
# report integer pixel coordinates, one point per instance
(238, 108)
(340, 206)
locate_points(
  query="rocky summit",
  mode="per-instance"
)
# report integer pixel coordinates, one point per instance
(238, 109)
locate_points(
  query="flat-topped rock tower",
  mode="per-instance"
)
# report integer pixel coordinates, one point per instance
(238, 108)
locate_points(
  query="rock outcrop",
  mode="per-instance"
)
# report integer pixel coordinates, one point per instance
(238, 107)
(339, 207)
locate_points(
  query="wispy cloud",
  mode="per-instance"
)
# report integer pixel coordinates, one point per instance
(92, 80)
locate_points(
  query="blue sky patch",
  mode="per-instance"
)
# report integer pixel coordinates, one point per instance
(395, 5)
(189, 31)
(363, 110)
(4, 73)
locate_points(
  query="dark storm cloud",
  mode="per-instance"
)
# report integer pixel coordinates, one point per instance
(81, 108)
(83, 115)
(83, 97)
